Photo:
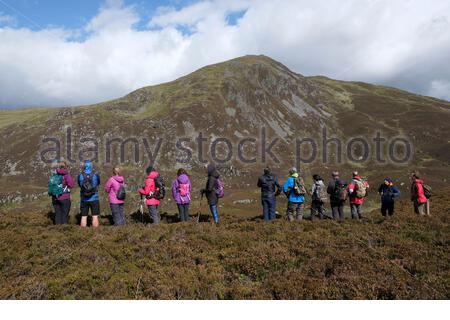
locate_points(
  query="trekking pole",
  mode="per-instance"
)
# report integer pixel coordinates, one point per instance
(141, 208)
(199, 208)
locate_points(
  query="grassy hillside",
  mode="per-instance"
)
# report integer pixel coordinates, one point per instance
(405, 257)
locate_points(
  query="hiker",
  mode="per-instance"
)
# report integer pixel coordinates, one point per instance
(181, 193)
(337, 189)
(389, 193)
(418, 197)
(88, 181)
(59, 186)
(213, 190)
(294, 189)
(270, 189)
(154, 192)
(115, 187)
(318, 196)
(357, 190)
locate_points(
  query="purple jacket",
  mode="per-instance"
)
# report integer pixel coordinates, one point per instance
(112, 187)
(67, 183)
(182, 179)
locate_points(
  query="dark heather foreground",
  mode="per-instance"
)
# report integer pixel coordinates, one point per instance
(405, 257)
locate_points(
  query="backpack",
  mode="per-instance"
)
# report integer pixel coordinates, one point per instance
(320, 193)
(121, 193)
(183, 188)
(160, 188)
(87, 187)
(55, 185)
(340, 192)
(426, 191)
(299, 188)
(360, 189)
(220, 188)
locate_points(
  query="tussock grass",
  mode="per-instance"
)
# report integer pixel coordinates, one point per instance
(404, 257)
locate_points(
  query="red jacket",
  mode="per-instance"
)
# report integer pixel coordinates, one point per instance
(352, 188)
(417, 191)
(150, 187)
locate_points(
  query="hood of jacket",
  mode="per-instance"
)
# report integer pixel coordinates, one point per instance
(62, 172)
(153, 175)
(215, 174)
(211, 168)
(119, 179)
(183, 179)
(319, 182)
(87, 167)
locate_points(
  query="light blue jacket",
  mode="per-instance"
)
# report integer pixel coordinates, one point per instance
(290, 183)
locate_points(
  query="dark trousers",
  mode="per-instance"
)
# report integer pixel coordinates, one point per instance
(387, 209)
(337, 210)
(297, 208)
(183, 211)
(269, 205)
(317, 209)
(118, 214)
(356, 210)
(62, 209)
(153, 211)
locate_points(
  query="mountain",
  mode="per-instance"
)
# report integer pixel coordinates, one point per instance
(260, 105)
(243, 98)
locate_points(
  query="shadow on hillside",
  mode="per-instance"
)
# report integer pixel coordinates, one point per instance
(168, 218)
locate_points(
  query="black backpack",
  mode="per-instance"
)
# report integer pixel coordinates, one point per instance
(121, 193)
(340, 192)
(160, 188)
(87, 187)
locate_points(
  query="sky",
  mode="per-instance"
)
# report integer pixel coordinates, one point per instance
(61, 53)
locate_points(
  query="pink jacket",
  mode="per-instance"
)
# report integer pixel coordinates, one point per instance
(150, 187)
(417, 191)
(112, 187)
(351, 190)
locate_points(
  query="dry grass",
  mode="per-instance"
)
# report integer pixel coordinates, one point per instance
(406, 257)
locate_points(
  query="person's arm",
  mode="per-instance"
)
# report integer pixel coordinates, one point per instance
(210, 184)
(108, 186)
(147, 188)
(312, 189)
(330, 187)
(396, 192)
(277, 186)
(351, 187)
(69, 181)
(80, 180)
(259, 184)
(287, 185)
(174, 188)
(98, 179)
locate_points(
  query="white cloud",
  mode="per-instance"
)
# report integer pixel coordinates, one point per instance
(400, 43)
(440, 88)
(7, 20)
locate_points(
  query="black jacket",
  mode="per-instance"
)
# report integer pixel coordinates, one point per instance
(210, 188)
(331, 188)
(269, 186)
